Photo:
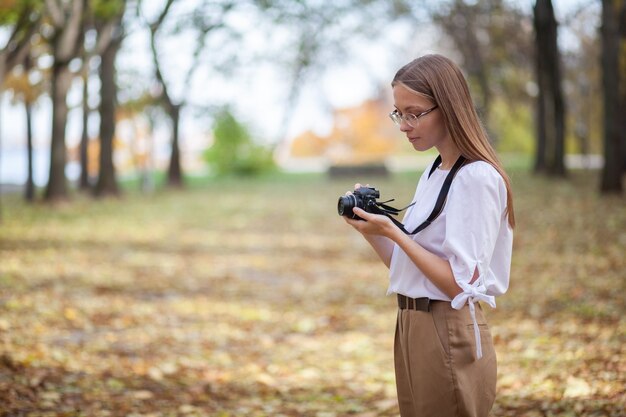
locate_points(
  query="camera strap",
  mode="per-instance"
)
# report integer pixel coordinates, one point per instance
(441, 199)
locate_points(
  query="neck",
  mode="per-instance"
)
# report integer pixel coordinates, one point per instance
(449, 155)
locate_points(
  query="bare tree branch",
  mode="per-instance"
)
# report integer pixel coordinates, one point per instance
(72, 31)
(105, 36)
(17, 48)
(198, 51)
(154, 27)
(55, 11)
(159, 75)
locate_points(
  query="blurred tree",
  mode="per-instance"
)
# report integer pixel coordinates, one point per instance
(207, 19)
(494, 40)
(27, 88)
(622, 72)
(146, 106)
(108, 23)
(320, 35)
(28, 107)
(233, 151)
(84, 182)
(174, 172)
(582, 83)
(21, 18)
(65, 35)
(550, 151)
(86, 54)
(613, 32)
(103, 35)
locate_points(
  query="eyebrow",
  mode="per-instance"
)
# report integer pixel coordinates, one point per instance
(419, 109)
(416, 108)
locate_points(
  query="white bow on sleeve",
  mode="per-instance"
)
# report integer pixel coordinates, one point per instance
(470, 295)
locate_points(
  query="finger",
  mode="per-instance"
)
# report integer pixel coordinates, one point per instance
(362, 213)
(357, 186)
(353, 222)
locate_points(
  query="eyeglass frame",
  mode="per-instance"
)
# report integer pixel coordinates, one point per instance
(397, 117)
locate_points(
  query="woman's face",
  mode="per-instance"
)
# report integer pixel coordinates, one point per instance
(430, 128)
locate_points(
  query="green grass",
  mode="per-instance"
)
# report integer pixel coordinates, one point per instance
(251, 297)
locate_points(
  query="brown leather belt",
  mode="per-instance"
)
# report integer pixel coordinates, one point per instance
(419, 304)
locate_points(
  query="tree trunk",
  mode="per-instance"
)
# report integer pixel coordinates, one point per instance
(66, 19)
(613, 157)
(18, 45)
(540, 120)
(1, 79)
(550, 156)
(467, 42)
(61, 80)
(30, 184)
(147, 174)
(622, 81)
(84, 138)
(107, 183)
(174, 172)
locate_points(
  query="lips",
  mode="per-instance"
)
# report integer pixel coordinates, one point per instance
(413, 139)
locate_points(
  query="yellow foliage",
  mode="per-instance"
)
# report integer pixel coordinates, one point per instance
(308, 144)
(7, 5)
(19, 85)
(360, 134)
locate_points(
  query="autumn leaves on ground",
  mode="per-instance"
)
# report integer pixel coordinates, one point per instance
(253, 298)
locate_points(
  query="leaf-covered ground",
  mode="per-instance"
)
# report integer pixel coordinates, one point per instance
(253, 298)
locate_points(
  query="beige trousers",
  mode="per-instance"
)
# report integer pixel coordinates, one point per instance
(437, 373)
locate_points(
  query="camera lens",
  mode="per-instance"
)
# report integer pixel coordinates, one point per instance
(345, 205)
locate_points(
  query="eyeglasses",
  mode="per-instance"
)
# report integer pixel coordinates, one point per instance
(411, 119)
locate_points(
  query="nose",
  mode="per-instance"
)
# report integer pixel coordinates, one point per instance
(405, 126)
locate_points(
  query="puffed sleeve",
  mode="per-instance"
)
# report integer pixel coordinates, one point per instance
(474, 212)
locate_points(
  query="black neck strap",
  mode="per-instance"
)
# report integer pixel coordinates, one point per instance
(443, 194)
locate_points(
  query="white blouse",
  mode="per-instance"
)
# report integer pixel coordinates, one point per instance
(472, 233)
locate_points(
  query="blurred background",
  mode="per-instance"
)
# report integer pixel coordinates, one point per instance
(106, 91)
(219, 280)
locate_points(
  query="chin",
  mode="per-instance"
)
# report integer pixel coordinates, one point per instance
(421, 147)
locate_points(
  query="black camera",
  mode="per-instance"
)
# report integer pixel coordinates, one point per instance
(363, 198)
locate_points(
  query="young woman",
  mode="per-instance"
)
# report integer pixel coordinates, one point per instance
(444, 358)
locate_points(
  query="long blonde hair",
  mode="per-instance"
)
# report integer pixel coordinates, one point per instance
(441, 80)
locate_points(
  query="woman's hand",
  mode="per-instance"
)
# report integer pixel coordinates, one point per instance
(376, 230)
(372, 224)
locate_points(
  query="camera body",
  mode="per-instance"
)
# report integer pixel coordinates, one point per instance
(363, 198)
